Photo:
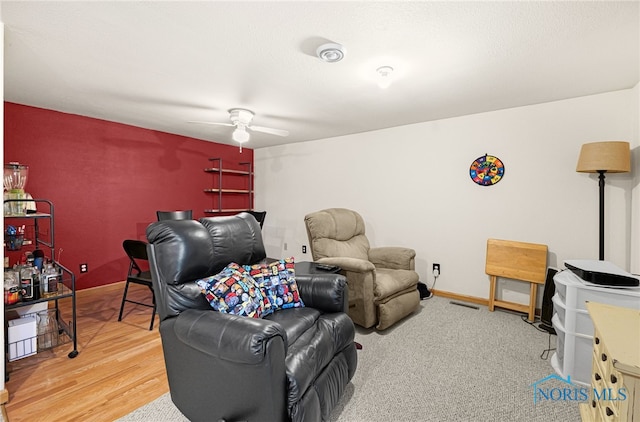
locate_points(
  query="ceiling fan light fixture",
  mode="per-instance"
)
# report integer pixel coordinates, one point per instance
(331, 52)
(241, 116)
(240, 135)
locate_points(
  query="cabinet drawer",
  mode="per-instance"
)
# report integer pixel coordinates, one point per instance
(589, 411)
(607, 381)
(614, 379)
(608, 413)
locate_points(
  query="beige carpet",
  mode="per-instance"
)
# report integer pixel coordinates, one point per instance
(444, 363)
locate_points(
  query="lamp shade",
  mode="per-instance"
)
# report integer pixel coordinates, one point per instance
(608, 156)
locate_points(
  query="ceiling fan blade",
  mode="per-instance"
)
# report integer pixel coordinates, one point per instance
(277, 132)
(211, 123)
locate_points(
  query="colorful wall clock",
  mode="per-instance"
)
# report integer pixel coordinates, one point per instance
(486, 170)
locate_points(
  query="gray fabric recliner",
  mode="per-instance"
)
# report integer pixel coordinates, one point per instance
(292, 365)
(382, 281)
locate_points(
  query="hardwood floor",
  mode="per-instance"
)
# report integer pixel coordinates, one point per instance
(119, 368)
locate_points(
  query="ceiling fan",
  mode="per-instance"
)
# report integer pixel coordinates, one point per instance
(241, 119)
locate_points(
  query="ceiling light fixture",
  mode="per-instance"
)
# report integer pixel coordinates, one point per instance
(384, 76)
(240, 135)
(331, 52)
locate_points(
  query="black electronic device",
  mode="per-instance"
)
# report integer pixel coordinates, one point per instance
(326, 267)
(602, 273)
(423, 290)
(547, 304)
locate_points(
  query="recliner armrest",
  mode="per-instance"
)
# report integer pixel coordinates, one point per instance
(393, 257)
(349, 264)
(325, 292)
(230, 337)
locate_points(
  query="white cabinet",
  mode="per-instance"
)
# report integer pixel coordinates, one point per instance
(573, 324)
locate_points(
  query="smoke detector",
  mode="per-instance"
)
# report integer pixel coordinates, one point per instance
(331, 52)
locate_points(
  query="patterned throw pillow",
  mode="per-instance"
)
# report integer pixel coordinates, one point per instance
(233, 291)
(277, 282)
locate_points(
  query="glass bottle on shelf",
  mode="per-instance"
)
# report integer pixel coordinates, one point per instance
(11, 286)
(49, 280)
(27, 283)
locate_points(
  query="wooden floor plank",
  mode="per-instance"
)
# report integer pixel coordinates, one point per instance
(119, 368)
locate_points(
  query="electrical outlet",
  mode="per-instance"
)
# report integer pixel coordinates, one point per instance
(304, 248)
(84, 268)
(436, 267)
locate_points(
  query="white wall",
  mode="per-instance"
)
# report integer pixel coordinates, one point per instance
(412, 186)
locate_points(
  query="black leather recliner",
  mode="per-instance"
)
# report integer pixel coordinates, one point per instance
(292, 365)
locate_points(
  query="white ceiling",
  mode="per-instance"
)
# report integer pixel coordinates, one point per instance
(159, 65)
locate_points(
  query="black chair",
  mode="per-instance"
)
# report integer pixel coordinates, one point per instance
(259, 216)
(175, 215)
(293, 364)
(136, 250)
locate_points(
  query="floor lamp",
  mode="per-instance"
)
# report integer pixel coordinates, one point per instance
(604, 157)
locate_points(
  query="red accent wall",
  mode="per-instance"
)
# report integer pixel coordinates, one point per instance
(107, 180)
